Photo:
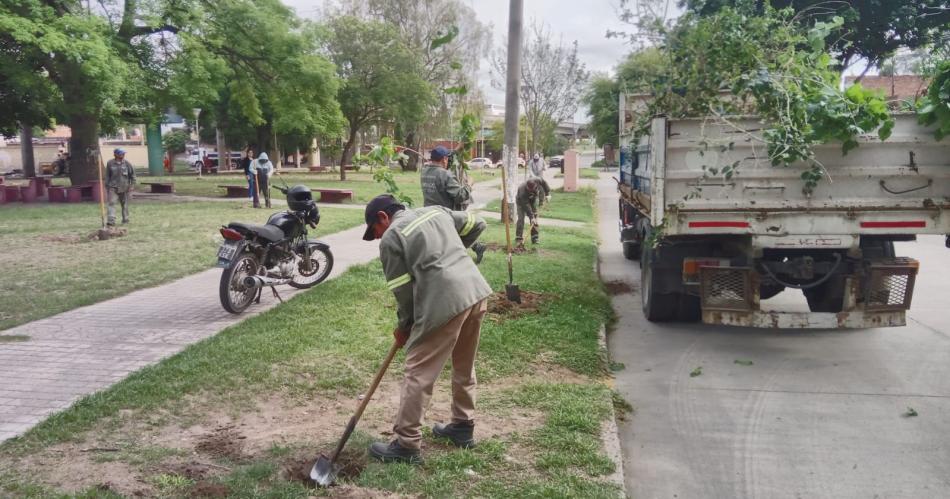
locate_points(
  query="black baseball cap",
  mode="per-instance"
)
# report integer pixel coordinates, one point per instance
(378, 204)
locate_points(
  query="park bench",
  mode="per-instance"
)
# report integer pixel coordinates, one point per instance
(160, 187)
(235, 191)
(319, 168)
(334, 195)
(56, 193)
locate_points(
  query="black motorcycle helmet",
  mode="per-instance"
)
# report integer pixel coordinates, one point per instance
(300, 199)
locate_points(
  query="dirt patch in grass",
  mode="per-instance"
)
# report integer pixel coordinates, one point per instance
(348, 466)
(615, 288)
(504, 249)
(224, 442)
(500, 308)
(194, 471)
(211, 434)
(208, 489)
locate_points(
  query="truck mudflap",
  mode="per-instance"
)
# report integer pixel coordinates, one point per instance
(877, 296)
(854, 319)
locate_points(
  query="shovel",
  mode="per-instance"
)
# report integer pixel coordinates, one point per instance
(323, 472)
(511, 290)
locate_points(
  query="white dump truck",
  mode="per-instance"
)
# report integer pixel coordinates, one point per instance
(718, 229)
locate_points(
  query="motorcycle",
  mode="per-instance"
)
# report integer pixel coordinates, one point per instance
(256, 256)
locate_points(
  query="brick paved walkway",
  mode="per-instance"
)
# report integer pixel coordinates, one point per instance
(76, 353)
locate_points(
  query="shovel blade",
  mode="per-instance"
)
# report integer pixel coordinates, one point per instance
(513, 293)
(322, 472)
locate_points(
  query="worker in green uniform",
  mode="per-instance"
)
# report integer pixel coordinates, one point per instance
(440, 187)
(441, 301)
(529, 194)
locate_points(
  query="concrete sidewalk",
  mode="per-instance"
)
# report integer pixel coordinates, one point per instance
(48, 364)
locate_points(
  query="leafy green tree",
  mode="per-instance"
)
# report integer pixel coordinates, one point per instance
(175, 141)
(872, 30)
(602, 101)
(381, 82)
(448, 43)
(275, 83)
(635, 74)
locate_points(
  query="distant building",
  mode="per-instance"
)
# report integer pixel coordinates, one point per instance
(896, 88)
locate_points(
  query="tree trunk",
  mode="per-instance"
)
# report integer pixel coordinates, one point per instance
(26, 150)
(84, 148)
(347, 156)
(224, 156)
(412, 163)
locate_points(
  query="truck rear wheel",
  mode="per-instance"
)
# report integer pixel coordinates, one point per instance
(657, 307)
(631, 250)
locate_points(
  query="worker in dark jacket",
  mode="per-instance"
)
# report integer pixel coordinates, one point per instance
(529, 194)
(440, 187)
(120, 177)
(441, 301)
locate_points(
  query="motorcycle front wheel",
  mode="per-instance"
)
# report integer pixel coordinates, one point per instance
(235, 297)
(321, 263)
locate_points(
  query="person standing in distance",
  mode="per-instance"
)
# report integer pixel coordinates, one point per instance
(120, 177)
(441, 188)
(441, 300)
(264, 170)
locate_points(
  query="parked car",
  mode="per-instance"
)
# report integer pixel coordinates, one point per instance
(556, 162)
(196, 157)
(476, 163)
(521, 163)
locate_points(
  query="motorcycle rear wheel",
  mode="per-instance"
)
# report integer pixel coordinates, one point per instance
(235, 297)
(321, 263)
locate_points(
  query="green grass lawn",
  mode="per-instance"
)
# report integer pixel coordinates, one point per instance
(585, 173)
(323, 346)
(361, 183)
(575, 206)
(48, 269)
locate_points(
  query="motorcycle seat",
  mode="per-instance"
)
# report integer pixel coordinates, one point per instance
(269, 232)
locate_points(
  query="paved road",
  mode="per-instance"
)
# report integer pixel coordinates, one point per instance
(818, 415)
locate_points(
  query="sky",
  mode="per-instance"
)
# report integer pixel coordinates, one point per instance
(586, 21)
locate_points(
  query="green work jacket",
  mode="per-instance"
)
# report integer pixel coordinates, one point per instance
(441, 188)
(428, 268)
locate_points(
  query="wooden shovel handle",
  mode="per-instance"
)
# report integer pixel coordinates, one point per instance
(363, 403)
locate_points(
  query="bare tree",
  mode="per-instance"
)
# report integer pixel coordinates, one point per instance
(553, 79)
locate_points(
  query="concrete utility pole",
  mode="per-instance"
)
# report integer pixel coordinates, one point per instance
(512, 108)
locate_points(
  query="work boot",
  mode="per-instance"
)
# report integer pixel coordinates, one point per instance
(394, 452)
(461, 434)
(479, 249)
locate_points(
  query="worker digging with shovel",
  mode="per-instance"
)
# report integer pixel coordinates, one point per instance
(441, 300)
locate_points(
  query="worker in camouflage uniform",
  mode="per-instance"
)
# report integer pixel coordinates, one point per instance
(120, 177)
(527, 199)
(441, 301)
(440, 187)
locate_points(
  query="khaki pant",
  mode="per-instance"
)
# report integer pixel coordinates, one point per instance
(123, 198)
(457, 339)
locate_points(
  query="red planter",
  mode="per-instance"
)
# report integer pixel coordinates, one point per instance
(56, 194)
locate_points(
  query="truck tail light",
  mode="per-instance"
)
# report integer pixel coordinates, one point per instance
(692, 266)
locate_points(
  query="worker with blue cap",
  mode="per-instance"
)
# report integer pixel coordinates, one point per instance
(120, 177)
(440, 187)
